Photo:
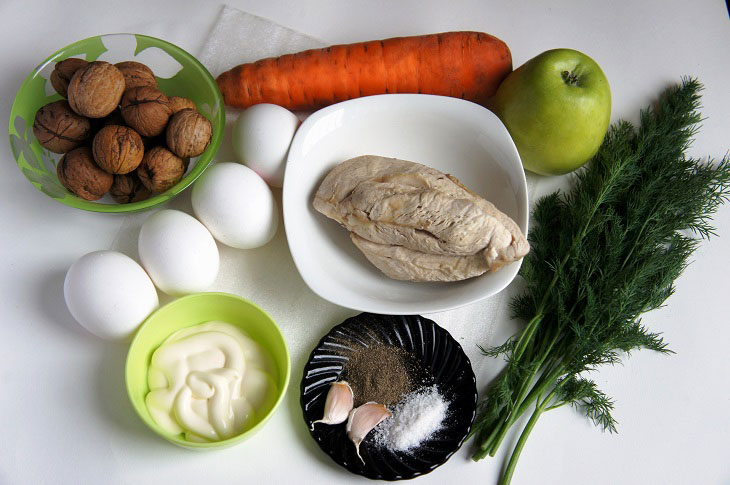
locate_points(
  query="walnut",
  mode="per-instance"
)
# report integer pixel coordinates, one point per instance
(95, 90)
(151, 142)
(58, 128)
(160, 169)
(136, 74)
(146, 110)
(188, 133)
(115, 118)
(79, 174)
(128, 188)
(63, 72)
(117, 149)
(178, 103)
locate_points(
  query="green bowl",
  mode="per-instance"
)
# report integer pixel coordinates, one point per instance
(193, 310)
(178, 74)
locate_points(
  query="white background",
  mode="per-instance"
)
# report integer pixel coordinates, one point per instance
(64, 414)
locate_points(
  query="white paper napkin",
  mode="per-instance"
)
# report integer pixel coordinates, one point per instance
(240, 37)
(267, 276)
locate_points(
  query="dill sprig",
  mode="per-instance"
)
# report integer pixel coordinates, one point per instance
(601, 255)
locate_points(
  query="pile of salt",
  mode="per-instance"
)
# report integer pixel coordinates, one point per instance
(415, 419)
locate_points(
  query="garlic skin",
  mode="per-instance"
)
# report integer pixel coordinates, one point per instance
(362, 420)
(340, 401)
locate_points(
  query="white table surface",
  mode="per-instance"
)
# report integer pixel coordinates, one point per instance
(64, 413)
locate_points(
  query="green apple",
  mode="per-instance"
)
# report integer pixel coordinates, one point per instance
(557, 107)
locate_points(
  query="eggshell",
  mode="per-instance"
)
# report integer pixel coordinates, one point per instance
(109, 294)
(236, 206)
(261, 138)
(178, 253)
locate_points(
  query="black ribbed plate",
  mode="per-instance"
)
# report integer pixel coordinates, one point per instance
(436, 350)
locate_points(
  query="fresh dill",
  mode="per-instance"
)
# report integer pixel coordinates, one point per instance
(601, 255)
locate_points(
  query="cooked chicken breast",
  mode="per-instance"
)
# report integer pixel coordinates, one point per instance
(401, 263)
(416, 223)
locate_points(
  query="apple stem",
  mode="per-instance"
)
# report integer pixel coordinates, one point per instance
(570, 77)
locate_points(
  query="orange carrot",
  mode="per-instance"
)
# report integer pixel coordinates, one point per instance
(468, 65)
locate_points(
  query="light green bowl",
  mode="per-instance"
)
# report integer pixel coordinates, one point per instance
(178, 74)
(193, 310)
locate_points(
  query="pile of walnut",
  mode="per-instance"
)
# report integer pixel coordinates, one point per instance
(117, 131)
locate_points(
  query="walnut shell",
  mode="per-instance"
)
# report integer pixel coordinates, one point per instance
(115, 118)
(136, 74)
(159, 141)
(189, 133)
(160, 169)
(81, 176)
(58, 128)
(178, 103)
(128, 188)
(117, 149)
(146, 110)
(63, 72)
(94, 91)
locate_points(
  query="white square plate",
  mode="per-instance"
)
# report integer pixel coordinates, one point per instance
(451, 135)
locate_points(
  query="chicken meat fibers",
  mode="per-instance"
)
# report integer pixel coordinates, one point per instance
(415, 223)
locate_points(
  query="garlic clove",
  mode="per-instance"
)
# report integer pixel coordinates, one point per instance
(363, 419)
(339, 403)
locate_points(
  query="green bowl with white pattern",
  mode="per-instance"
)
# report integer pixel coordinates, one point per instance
(178, 74)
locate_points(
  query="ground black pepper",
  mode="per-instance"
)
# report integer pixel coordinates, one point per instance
(382, 373)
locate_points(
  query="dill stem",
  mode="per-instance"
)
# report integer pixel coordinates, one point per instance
(527, 335)
(492, 443)
(485, 447)
(506, 422)
(539, 409)
(540, 388)
(638, 236)
(510, 470)
(526, 338)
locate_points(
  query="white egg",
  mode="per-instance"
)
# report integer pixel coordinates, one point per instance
(178, 252)
(261, 138)
(236, 206)
(109, 294)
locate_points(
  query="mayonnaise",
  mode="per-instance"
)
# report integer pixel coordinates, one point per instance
(209, 382)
